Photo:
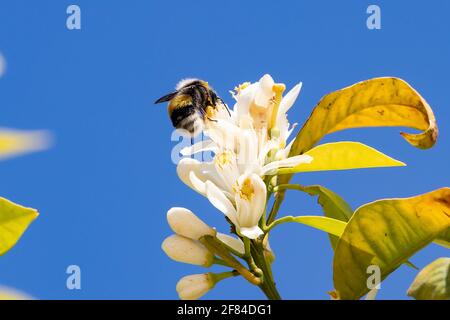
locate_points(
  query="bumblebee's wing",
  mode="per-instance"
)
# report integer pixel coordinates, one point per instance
(167, 97)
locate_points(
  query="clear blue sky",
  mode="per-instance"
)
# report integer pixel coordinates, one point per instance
(104, 188)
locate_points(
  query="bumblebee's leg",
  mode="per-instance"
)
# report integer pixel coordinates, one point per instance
(205, 115)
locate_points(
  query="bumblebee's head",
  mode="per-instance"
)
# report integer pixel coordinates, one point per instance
(191, 83)
(187, 86)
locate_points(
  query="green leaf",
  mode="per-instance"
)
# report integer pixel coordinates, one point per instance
(343, 156)
(14, 220)
(378, 102)
(386, 233)
(333, 205)
(433, 282)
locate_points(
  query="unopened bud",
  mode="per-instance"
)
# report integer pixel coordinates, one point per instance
(186, 250)
(185, 223)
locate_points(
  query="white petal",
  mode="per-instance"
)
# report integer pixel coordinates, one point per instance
(250, 200)
(248, 151)
(232, 242)
(224, 133)
(285, 163)
(252, 233)
(227, 168)
(289, 99)
(201, 146)
(197, 184)
(287, 150)
(285, 105)
(245, 213)
(220, 201)
(184, 167)
(265, 91)
(201, 172)
(260, 197)
(244, 99)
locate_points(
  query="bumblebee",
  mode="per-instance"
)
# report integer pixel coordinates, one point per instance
(190, 103)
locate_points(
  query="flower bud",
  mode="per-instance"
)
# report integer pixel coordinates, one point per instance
(185, 250)
(194, 286)
(232, 242)
(187, 224)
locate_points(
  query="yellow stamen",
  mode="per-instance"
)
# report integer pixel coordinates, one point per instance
(247, 190)
(278, 88)
(224, 158)
(241, 87)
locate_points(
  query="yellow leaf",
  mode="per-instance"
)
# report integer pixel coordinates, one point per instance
(332, 226)
(432, 282)
(343, 156)
(14, 220)
(378, 102)
(444, 239)
(11, 294)
(386, 233)
(15, 142)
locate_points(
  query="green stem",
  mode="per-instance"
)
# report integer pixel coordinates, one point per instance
(216, 247)
(288, 187)
(249, 258)
(220, 262)
(216, 277)
(279, 196)
(279, 221)
(267, 285)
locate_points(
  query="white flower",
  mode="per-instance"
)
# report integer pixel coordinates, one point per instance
(226, 168)
(250, 199)
(256, 100)
(185, 250)
(185, 223)
(248, 145)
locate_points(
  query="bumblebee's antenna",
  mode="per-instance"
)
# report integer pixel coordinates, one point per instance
(226, 107)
